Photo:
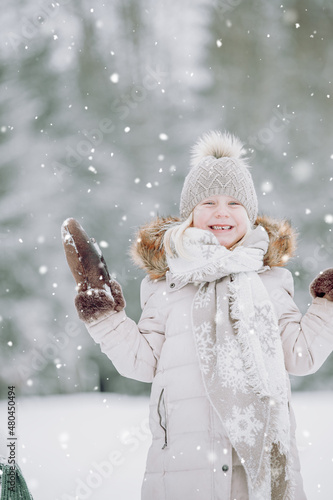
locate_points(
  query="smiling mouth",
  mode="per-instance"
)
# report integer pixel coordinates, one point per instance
(221, 228)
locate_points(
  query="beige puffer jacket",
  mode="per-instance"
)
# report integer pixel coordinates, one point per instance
(191, 457)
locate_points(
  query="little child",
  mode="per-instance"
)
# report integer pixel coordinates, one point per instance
(218, 335)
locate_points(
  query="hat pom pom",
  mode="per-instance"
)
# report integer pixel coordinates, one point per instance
(216, 144)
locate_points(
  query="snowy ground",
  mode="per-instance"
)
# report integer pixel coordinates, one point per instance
(93, 446)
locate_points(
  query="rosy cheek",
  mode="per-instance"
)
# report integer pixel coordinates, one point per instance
(196, 221)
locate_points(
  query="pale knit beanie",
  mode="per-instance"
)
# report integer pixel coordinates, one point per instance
(218, 167)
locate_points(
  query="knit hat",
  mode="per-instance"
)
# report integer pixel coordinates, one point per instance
(218, 167)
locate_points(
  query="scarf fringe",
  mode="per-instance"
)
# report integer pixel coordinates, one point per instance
(290, 492)
(198, 275)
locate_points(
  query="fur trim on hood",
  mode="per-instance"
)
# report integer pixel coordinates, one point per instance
(147, 251)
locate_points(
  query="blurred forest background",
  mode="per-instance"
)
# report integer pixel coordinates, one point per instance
(100, 104)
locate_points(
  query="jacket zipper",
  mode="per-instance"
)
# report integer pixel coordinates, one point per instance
(163, 423)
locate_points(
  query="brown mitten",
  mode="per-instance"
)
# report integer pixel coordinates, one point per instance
(322, 286)
(98, 294)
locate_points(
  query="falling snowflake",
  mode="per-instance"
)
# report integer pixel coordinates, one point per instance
(103, 244)
(243, 426)
(114, 78)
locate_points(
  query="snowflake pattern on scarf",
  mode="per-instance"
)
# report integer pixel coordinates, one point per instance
(230, 366)
(225, 357)
(277, 467)
(205, 346)
(266, 327)
(202, 298)
(244, 426)
(209, 252)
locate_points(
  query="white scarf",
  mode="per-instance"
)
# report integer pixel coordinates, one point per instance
(240, 354)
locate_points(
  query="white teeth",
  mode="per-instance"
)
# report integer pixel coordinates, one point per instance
(221, 227)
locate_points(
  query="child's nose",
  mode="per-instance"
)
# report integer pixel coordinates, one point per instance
(222, 211)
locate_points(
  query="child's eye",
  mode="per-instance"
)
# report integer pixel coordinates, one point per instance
(208, 203)
(234, 203)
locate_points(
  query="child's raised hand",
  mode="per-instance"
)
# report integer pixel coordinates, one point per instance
(322, 286)
(84, 257)
(97, 292)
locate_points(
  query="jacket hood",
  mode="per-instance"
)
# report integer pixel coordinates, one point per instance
(147, 251)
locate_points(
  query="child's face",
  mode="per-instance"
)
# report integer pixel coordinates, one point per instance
(223, 216)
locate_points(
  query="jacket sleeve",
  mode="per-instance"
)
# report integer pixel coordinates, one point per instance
(134, 349)
(307, 339)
